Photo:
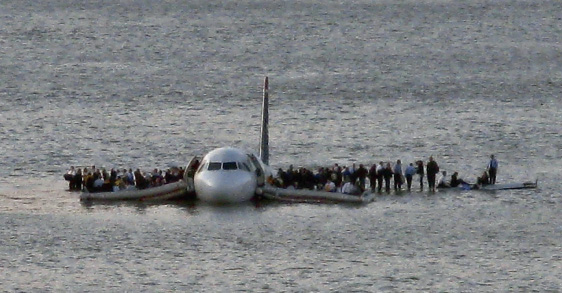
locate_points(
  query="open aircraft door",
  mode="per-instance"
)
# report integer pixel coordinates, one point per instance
(260, 173)
(189, 172)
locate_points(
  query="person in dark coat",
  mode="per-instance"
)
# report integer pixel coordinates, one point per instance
(432, 170)
(361, 174)
(493, 169)
(380, 175)
(456, 181)
(373, 177)
(387, 174)
(77, 180)
(140, 181)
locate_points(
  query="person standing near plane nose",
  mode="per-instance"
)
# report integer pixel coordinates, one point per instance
(492, 169)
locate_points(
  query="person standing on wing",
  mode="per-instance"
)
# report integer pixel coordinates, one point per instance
(492, 169)
(419, 171)
(398, 175)
(410, 171)
(380, 175)
(432, 170)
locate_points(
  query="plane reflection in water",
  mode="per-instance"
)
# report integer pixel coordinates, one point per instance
(229, 175)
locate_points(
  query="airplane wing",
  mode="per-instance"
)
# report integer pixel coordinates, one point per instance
(305, 195)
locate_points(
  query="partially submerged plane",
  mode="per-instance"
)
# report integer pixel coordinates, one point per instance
(230, 175)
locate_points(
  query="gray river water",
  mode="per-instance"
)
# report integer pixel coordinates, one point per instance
(140, 84)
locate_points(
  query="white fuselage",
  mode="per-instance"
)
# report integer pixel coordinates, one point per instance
(226, 175)
(229, 175)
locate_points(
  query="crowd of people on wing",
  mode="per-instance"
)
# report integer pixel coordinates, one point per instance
(99, 180)
(352, 179)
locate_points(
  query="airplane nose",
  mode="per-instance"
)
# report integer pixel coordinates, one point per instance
(225, 187)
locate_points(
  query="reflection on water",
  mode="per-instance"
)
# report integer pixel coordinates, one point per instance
(399, 242)
(415, 240)
(139, 207)
(149, 86)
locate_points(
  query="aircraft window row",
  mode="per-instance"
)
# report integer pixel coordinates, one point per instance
(212, 166)
(229, 166)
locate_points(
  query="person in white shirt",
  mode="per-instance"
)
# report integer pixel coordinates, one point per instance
(350, 188)
(346, 188)
(98, 183)
(441, 182)
(330, 186)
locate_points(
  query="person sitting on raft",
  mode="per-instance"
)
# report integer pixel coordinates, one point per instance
(456, 181)
(140, 181)
(330, 186)
(350, 188)
(346, 187)
(484, 179)
(441, 183)
(98, 181)
(120, 184)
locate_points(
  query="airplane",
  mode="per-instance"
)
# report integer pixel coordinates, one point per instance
(231, 175)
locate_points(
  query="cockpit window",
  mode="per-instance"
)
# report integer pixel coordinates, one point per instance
(202, 166)
(229, 166)
(214, 166)
(244, 166)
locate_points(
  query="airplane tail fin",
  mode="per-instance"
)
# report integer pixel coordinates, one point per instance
(264, 144)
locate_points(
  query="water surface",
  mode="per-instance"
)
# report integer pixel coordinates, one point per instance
(137, 84)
